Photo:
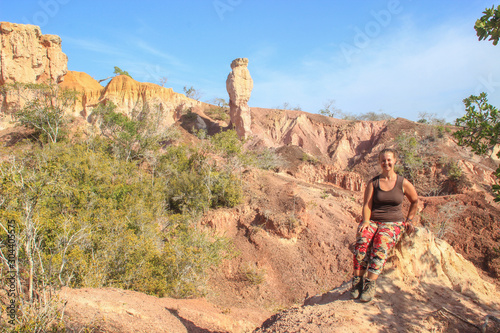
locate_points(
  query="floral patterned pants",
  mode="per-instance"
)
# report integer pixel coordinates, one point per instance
(374, 243)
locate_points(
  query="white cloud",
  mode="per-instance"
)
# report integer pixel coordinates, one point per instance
(168, 58)
(92, 45)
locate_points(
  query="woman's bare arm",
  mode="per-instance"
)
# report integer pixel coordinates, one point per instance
(367, 206)
(412, 196)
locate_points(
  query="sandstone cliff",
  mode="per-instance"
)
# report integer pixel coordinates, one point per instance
(128, 95)
(28, 56)
(348, 149)
(339, 142)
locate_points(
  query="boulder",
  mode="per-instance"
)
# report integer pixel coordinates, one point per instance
(239, 86)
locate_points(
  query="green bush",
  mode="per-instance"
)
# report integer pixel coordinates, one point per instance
(252, 274)
(196, 183)
(43, 109)
(227, 143)
(266, 159)
(217, 113)
(97, 221)
(220, 111)
(453, 171)
(188, 194)
(225, 190)
(131, 138)
(409, 149)
(119, 71)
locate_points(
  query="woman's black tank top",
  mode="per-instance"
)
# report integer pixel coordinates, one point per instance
(387, 205)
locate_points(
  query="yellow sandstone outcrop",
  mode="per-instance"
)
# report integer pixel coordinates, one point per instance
(130, 95)
(28, 56)
(423, 258)
(89, 89)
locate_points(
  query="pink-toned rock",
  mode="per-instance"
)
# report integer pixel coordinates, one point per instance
(239, 85)
(324, 173)
(28, 56)
(340, 142)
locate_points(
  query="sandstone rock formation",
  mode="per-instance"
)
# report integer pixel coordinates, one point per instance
(129, 96)
(30, 57)
(27, 56)
(325, 173)
(89, 89)
(341, 142)
(239, 86)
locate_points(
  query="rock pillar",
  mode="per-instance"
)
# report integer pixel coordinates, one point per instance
(239, 86)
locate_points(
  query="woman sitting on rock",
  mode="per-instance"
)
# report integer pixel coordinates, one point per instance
(382, 224)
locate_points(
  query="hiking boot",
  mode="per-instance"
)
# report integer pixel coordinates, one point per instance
(368, 290)
(357, 286)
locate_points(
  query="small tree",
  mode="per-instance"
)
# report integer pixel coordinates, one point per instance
(442, 222)
(132, 137)
(20, 191)
(193, 93)
(480, 126)
(374, 116)
(430, 118)
(480, 129)
(220, 102)
(220, 111)
(330, 110)
(119, 71)
(163, 81)
(409, 152)
(44, 108)
(288, 106)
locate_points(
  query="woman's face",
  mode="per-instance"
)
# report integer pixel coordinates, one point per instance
(387, 161)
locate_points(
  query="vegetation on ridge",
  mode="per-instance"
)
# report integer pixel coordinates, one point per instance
(117, 209)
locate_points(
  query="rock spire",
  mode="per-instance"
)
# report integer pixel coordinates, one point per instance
(239, 86)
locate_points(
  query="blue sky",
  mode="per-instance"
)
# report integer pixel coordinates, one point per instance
(401, 57)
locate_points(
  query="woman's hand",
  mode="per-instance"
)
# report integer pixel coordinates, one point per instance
(409, 228)
(363, 226)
